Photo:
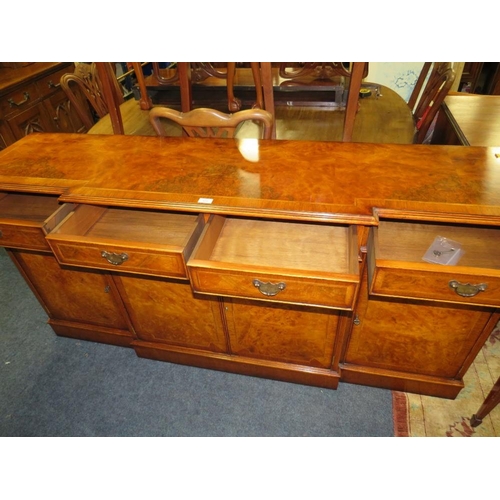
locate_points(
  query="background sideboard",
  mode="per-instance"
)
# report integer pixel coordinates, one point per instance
(31, 100)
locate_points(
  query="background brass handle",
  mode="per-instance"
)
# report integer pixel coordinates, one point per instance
(466, 289)
(114, 258)
(13, 103)
(269, 289)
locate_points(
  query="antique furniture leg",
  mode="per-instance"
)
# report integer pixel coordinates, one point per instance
(259, 103)
(352, 100)
(145, 101)
(105, 76)
(184, 70)
(488, 405)
(267, 86)
(233, 104)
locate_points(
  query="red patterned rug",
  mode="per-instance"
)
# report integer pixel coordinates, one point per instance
(426, 416)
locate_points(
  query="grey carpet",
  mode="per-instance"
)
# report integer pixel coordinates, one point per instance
(53, 386)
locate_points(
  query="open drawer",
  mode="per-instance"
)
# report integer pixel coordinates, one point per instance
(26, 218)
(291, 262)
(397, 269)
(126, 240)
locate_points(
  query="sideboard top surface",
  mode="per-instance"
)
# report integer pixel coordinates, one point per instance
(289, 179)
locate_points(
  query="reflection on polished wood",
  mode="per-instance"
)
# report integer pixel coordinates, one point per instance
(386, 119)
(309, 180)
(469, 120)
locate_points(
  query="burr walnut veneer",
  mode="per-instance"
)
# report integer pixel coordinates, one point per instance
(295, 260)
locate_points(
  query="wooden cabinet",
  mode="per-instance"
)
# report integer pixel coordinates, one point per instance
(317, 279)
(31, 100)
(79, 304)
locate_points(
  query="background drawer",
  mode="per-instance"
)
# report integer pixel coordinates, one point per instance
(48, 84)
(396, 267)
(131, 241)
(21, 99)
(296, 263)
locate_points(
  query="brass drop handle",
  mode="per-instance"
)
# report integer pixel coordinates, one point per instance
(466, 289)
(269, 289)
(114, 258)
(53, 85)
(20, 103)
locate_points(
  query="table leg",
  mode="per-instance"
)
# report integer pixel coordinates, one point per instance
(491, 401)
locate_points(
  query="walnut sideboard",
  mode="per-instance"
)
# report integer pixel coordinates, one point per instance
(294, 260)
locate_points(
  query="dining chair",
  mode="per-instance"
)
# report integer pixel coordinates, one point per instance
(426, 105)
(84, 89)
(207, 122)
(187, 73)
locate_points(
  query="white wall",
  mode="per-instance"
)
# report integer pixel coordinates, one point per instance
(398, 76)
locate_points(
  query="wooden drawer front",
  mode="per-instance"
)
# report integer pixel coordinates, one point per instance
(303, 270)
(23, 237)
(316, 292)
(124, 240)
(19, 100)
(409, 283)
(23, 220)
(396, 268)
(83, 254)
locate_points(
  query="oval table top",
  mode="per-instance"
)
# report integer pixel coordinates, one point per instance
(385, 119)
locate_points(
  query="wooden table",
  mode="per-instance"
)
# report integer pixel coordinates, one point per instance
(469, 120)
(385, 120)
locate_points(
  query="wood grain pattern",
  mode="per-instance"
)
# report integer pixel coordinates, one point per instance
(473, 119)
(167, 312)
(294, 211)
(415, 337)
(321, 181)
(290, 334)
(73, 296)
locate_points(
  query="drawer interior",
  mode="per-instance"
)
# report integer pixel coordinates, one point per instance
(408, 242)
(129, 225)
(283, 245)
(32, 209)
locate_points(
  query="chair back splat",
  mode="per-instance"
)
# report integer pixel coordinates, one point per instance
(436, 89)
(84, 90)
(207, 122)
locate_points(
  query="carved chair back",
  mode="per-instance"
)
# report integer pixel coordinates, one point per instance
(436, 89)
(320, 70)
(207, 122)
(84, 90)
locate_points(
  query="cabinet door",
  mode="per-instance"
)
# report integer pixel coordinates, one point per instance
(63, 116)
(71, 295)
(280, 332)
(424, 338)
(34, 119)
(165, 311)
(6, 137)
